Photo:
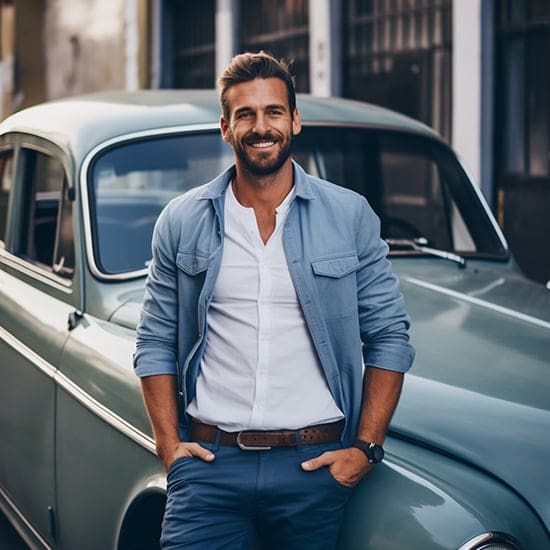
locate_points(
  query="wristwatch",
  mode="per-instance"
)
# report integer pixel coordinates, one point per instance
(373, 451)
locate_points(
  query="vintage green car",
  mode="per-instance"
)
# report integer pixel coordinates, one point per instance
(82, 182)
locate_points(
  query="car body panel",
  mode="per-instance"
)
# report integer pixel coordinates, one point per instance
(106, 376)
(94, 460)
(438, 507)
(27, 396)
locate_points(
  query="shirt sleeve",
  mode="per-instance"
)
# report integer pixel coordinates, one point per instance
(383, 319)
(156, 343)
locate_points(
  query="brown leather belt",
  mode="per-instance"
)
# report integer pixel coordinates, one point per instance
(250, 440)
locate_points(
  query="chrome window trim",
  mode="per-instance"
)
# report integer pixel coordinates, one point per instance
(92, 404)
(491, 537)
(40, 149)
(485, 206)
(41, 364)
(42, 274)
(106, 414)
(36, 271)
(8, 507)
(86, 214)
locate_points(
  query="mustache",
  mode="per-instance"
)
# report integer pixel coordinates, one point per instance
(254, 138)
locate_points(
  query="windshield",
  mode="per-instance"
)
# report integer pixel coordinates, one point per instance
(132, 182)
(414, 184)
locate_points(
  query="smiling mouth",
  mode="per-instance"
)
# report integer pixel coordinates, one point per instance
(262, 144)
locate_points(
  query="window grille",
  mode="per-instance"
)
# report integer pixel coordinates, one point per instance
(280, 27)
(191, 27)
(397, 53)
(522, 131)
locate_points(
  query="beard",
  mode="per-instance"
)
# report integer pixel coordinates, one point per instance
(267, 165)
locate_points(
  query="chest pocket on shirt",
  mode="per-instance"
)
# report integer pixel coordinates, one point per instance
(192, 267)
(192, 263)
(337, 283)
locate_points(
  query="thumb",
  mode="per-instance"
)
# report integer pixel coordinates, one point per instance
(200, 452)
(318, 462)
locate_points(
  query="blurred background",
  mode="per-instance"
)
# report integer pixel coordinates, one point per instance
(475, 70)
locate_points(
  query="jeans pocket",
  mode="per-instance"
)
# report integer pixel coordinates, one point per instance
(335, 481)
(176, 465)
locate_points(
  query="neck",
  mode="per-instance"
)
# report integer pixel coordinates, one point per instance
(263, 191)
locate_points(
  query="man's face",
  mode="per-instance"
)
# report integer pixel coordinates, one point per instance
(260, 126)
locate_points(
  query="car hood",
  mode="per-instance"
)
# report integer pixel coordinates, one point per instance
(480, 386)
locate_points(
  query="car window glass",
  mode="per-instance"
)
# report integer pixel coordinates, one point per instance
(412, 197)
(64, 258)
(46, 236)
(414, 184)
(6, 177)
(132, 182)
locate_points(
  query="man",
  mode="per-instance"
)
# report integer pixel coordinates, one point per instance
(267, 289)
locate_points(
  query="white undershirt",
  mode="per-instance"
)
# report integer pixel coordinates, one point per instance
(259, 370)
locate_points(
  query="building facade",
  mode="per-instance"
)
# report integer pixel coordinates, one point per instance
(475, 70)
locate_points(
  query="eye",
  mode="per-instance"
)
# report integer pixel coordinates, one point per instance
(243, 115)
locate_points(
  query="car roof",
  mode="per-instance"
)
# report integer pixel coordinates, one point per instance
(80, 123)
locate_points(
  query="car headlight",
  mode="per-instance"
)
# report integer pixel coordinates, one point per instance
(492, 541)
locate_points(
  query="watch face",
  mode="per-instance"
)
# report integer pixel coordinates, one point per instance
(373, 451)
(377, 453)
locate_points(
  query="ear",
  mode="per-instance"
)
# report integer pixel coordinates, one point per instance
(224, 128)
(296, 122)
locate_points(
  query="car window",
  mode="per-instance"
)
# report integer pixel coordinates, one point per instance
(416, 201)
(6, 177)
(415, 185)
(46, 230)
(132, 182)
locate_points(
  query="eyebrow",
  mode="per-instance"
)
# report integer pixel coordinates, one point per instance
(245, 108)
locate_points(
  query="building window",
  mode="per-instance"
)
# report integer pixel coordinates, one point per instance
(524, 47)
(280, 27)
(397, 53)
(522, 159)
(190, 43)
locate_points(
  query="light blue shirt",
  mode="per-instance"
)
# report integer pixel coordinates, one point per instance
(349, 295)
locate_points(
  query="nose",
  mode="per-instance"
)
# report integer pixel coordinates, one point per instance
(260, 124)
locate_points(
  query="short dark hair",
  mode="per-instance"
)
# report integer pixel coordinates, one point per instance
(248, 66)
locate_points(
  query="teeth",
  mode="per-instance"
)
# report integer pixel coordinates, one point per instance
(261, 144)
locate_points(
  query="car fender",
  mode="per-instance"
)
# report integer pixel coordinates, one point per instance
(422, 499)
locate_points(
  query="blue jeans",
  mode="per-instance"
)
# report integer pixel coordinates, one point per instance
(241, 495)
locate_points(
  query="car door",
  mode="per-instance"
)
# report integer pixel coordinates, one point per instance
(38, 291)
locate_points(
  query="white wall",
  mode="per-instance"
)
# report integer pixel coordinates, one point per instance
(467, 85)
(226, 33)
(325, 47)
(86, 46)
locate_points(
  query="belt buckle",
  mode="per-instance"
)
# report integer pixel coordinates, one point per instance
(244, 447)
